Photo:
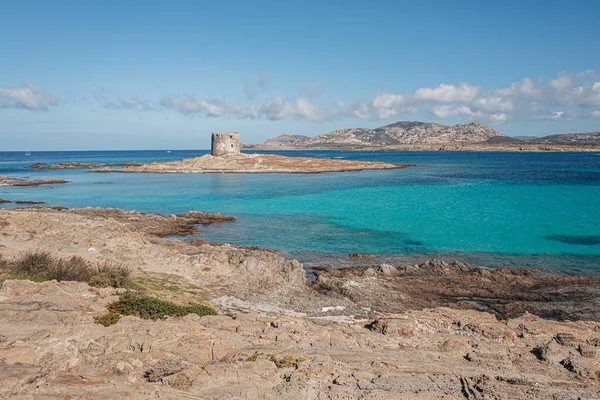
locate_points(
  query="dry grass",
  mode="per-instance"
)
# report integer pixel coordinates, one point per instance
(41, 265)
(33, 263)
(70, 269)
(107, 274)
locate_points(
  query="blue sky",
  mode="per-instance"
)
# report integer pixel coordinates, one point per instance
(155, 74)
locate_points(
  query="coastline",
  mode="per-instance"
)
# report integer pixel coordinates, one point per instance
(438, 147)
(358, 332)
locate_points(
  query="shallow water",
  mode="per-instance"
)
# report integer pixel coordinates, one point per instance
(513, 209)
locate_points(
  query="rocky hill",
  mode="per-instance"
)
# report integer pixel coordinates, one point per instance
(399, 133)
(284, 140)
(571, 138)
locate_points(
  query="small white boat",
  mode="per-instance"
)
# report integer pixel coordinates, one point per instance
(27, 153)
(168, 151)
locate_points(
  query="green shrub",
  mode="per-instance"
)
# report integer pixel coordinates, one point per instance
(110, 318)
(285, 362)
(147, 307)
(253, 357)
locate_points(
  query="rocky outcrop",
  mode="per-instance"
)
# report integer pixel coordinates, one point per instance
(7, 181)
(77, 165)
(504, 292)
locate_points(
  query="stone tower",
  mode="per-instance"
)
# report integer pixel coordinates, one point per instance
(225, 143)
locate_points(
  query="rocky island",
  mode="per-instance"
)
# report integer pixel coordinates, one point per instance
(256, 327)
(226, 157)
(426, 136)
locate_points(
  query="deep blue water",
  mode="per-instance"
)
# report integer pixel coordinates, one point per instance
(514, 209)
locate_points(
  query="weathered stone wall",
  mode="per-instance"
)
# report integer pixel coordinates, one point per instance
(225, 143)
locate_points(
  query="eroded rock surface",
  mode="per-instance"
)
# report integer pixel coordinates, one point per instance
(505, 292)
(50, 347)
(277, 337)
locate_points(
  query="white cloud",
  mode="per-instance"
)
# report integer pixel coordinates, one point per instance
(387, 100)
(273, 109)
(446, 111)
(214, 108)
(555, 116)
(26, 97)
(279, 108)
(447, 93)
(494, 104)
(562, 82)
(576, 89)
(497, 118)
(525, 88)
(575, 95)
(357, 110)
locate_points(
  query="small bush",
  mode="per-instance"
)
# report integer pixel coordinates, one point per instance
(285, 362)
(34, 263)
(110, 318)
(253, 357)
(110, 275)
(148, 307)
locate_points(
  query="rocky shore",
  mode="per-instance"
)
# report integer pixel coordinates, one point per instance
(430, 331)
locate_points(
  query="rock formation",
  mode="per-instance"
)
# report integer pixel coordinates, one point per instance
(225, 143)
(8, 181)
(368, 336)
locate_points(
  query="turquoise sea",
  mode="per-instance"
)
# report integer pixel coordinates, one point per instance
(497, 209)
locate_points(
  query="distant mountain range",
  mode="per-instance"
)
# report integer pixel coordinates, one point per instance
(422, 133)
(405, 132)
(570, 138)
